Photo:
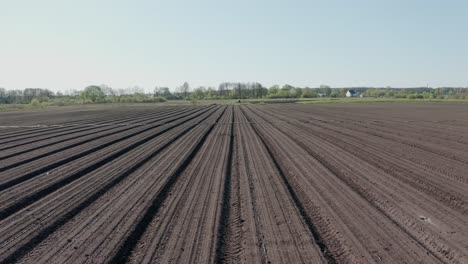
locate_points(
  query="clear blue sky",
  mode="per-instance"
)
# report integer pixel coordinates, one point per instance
(64, 44)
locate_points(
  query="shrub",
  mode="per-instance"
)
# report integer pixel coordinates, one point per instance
(160, 99)
(35, 102)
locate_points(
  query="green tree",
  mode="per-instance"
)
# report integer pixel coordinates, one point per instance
(273, 89)
(389, 93)
(293, 93)
(211, 93)
(427, 95)
(309, 93)
(185, 89)
(343, 92)
(199, 93)
(287, 87)
(325, 90)
(92, 93)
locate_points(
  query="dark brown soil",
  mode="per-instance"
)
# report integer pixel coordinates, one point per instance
(289, 183)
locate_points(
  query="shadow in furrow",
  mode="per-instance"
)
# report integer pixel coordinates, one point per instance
(25, 201)
(127, 247)
(59, 163)
(308, 221)
(23, 250)
(73, 131)
(335, 171)
(224, 219)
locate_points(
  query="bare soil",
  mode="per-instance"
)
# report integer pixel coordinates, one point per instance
(279, 183)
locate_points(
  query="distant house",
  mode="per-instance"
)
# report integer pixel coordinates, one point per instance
(351, 93)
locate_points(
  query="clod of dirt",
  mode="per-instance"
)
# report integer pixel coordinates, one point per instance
(425, 219)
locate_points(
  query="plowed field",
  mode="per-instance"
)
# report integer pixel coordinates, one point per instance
(280, 183)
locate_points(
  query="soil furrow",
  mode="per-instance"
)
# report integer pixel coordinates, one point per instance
(38, 171)
(88, 200)
(128, 245)
(27, 200)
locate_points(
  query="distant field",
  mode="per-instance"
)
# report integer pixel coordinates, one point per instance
(378, 100)
(326, 183)
(27, 107)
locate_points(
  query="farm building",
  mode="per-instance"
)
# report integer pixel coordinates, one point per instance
(351, 93)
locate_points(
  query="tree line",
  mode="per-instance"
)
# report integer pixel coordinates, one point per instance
(255, 90)
(226, 90)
